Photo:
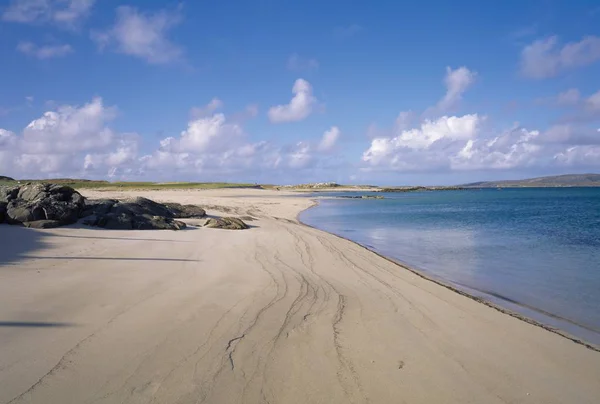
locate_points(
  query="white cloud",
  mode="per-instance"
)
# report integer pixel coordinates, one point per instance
(516, 147)
(63, 13)
(461, 143)
(208, 109)
(143, 35)
(457, 82)
(417, 148)
(300, 106)
(329, 139)
(44, 51)
(545, 58)
(579, 155)
(211, 134)
(76, 141)
(297, 63)
(56, 143)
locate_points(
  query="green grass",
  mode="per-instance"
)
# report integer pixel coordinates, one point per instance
(89, 184)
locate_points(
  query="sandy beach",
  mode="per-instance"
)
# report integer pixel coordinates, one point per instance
(279, 313)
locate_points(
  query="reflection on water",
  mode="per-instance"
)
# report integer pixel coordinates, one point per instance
(537, 247)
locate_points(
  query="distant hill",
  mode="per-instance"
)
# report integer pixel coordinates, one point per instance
(568, 180)
(4, 178)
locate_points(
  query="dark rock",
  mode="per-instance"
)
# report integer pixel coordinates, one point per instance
(229, 223)
(142, 206)
(112, 221)
(33, 192)
(136, 213)
(8, 193)
(43, 224)
(186, 211)
(98, 207)
(33, 202)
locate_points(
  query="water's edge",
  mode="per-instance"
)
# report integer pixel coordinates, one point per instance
(446, 284)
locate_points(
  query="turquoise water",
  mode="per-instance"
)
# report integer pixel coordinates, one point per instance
(535, 251)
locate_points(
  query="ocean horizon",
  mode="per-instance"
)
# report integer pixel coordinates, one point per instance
(533, 251)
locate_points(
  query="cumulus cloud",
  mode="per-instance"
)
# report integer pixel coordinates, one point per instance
(418, 148)
(464, 142)
(212, 133)
(44, 51)
(329, 139)
(300, 106)
(143, 35)
(58, 142)
(63, 13)
(461, 143)
(76, 141)
(297, 63)
(457, 82)
(545, 58)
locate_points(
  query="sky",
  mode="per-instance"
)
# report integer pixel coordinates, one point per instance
(379, 92)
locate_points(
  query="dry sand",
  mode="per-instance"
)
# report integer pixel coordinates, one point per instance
(280, 313)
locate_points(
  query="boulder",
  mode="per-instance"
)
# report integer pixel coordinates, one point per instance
(8, 193)
(98, 207)
(142, 206)
(33, 202)
(229, 223)
(131, 214)
(186, 211)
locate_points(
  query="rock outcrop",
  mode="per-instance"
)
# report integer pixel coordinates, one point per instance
(137, 213)
(41, 202)
(44, 206)
(229, 223)
(185, 211)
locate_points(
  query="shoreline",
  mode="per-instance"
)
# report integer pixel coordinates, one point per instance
(281, 312)
(449, 286)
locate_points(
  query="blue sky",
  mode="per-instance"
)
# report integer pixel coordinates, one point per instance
(386, 92)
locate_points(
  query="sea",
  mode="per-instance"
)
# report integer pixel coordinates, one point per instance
(534, 251)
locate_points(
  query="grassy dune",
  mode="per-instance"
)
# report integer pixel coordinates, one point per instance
(89, 184)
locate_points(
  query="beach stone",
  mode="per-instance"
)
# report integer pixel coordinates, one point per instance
(131, 214)
(43, 224)
(186, 211)
(141, 206)
(34, 202)
(8, 193)
(229, 223)
(98, 207)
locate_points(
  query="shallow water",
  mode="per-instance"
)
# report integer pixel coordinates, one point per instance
(535, 251)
